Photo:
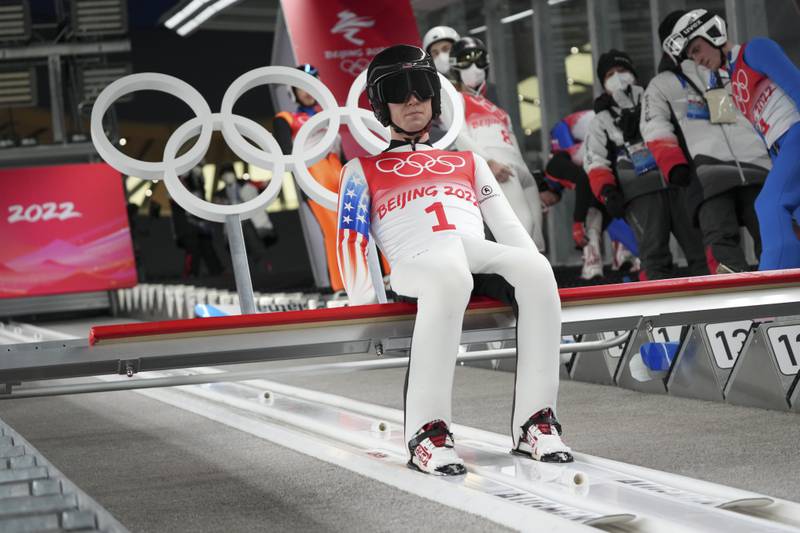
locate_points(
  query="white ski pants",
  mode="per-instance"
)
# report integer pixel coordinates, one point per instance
(440, 278)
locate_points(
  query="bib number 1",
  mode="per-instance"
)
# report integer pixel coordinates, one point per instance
(441, 218)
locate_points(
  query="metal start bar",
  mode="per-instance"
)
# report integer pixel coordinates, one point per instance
(131, 348)
(325, 368)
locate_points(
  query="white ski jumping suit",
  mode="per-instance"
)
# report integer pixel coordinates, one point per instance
(426, 209)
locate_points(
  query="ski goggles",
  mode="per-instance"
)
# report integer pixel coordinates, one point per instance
(478, 58)
(397, 88)
(675, 44)
(706, 26)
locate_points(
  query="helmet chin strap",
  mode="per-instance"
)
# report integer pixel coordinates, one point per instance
(412, 136)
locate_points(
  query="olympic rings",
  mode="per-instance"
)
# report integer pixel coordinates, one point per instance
(366, 130)
(740, 89)
(286, 76)
(450, 162)
(217, 212)
(152, 82)
(354, 67)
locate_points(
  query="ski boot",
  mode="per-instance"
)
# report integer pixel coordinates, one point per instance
(432, 451)
(541, 439)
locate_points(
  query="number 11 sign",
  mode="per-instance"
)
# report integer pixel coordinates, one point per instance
(785, 342)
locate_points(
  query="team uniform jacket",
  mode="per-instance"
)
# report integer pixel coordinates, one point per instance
(606, 160)
(407, 200)
(712, 149)
(488, 132)
(766, 87)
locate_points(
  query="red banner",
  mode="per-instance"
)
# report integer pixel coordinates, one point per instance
(340, 37)
(63, 229)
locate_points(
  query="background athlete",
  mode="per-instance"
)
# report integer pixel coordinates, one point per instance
(426, 210)
(326, 171)
(766, 89)
(488, 132)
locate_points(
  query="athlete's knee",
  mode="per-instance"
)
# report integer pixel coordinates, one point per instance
(456, 284)
(449, 281)
(531, 271)
(540, 266)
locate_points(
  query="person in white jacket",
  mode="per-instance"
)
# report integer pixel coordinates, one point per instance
(721, 160)
(624, 176)
(488, 132)
(766, 90)
(426, 210)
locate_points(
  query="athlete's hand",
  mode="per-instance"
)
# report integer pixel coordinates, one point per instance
(680, 175)
(549, 198)
(614, 201)
(501, 172)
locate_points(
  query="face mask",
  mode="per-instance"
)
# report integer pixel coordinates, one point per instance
(619, 81)
(442, 62)
(473, 77)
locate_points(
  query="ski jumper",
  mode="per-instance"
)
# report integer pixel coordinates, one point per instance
(326, 171)
(426, 210)
(766, 89)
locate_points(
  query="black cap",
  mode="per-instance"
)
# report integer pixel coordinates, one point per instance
(395, 59)
(613, 58)
(665, 28)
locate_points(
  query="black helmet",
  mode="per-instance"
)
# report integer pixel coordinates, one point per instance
(308, 69)
(469, 50)
(397, 72)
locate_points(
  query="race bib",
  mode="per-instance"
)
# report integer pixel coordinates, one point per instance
(641, 157)
(697, 108)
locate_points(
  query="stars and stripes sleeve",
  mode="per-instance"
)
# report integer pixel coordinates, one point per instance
(353, 216)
